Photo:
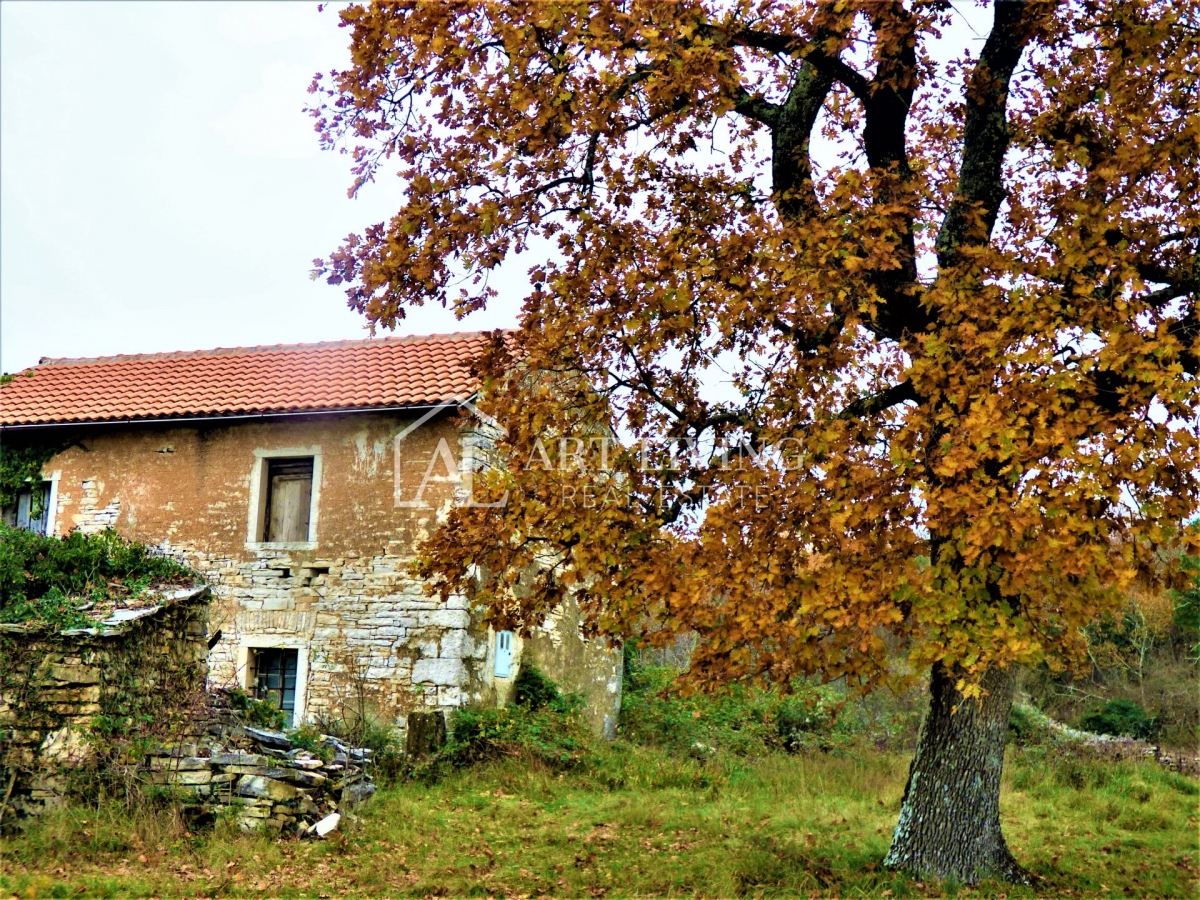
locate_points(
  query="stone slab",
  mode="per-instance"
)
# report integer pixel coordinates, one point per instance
(260, 786)
(238, 759)
(180, 763)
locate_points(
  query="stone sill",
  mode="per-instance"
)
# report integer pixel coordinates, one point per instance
(269, 546)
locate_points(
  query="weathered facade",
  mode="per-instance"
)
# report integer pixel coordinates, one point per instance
(303, 520)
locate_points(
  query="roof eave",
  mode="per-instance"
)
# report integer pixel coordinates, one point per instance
(234, 417)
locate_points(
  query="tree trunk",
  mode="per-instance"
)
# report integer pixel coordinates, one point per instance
(949, 825)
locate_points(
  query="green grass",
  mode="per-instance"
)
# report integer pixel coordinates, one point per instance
(641, 822)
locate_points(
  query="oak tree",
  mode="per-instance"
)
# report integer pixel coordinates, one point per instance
(898, 330)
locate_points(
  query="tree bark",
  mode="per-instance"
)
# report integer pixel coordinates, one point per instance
(949, 825)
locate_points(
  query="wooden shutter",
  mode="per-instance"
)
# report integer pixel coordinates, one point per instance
(33, 508)
(289, 499)
(504, 640)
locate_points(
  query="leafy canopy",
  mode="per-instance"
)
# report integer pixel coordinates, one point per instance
(944, 307)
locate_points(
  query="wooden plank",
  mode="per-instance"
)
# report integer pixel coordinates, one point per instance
(289, 500)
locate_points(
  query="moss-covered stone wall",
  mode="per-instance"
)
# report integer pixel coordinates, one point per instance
(67, 697)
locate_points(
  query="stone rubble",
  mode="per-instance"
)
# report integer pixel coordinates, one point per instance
(261, 779)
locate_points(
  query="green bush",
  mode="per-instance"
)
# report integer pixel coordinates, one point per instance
(807, 718)
(557, 740)
(308, 737)
(740, 720)
(1121, 717)
(44, 579)
(542, 726)
(534, 689)
(259, 713)
(1027, 726)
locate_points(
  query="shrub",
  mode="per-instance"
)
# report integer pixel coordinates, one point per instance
(534, 689)
(372, 733)
(807, 718)
(542, 726)
(260, 713)
(1121, 717)
(741, 720)
(1027, 726)
(44, 579)
(546, 735)
(308, 737)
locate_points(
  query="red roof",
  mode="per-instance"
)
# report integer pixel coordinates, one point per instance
(365, 374)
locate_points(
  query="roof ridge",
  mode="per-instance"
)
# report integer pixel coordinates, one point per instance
(268, 348)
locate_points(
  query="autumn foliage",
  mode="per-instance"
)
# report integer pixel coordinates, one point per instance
(898, 333)
(983, 438)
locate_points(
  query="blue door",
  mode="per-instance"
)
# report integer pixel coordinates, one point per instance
(504, 654)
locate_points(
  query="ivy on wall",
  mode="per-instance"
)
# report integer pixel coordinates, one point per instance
(151, 684)
(21, 466)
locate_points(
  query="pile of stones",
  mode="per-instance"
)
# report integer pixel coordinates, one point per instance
(260, 779)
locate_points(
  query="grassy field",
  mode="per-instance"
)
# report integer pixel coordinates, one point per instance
(641, 822)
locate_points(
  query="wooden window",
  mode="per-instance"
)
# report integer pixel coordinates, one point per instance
(275, 678)
(289, 499)
(504, 642)
(31, 510)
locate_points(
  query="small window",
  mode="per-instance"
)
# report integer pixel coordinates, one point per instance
(504, 641)
(289, 500)
(275, 678)
(31, 510)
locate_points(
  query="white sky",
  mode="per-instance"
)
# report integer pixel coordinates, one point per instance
(161, 188)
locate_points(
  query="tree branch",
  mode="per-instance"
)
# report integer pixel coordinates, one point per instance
(981, 190)
(795, 46)
(885, 144)
(791, 166)
(1187, 332)
(756, 107)
(877, 403)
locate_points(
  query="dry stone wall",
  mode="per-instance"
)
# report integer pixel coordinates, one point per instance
(63, 694)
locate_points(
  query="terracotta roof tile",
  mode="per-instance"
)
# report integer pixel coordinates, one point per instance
(378, 372)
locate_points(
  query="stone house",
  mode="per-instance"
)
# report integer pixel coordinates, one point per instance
(299, 480)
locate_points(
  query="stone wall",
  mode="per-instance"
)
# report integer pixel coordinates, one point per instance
(62, 693)
(358, 620)
(581, 667)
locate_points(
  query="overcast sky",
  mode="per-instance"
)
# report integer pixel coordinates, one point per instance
(161, 188)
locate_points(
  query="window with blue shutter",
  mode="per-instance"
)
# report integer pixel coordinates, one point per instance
(504, 654)
(31, 509)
